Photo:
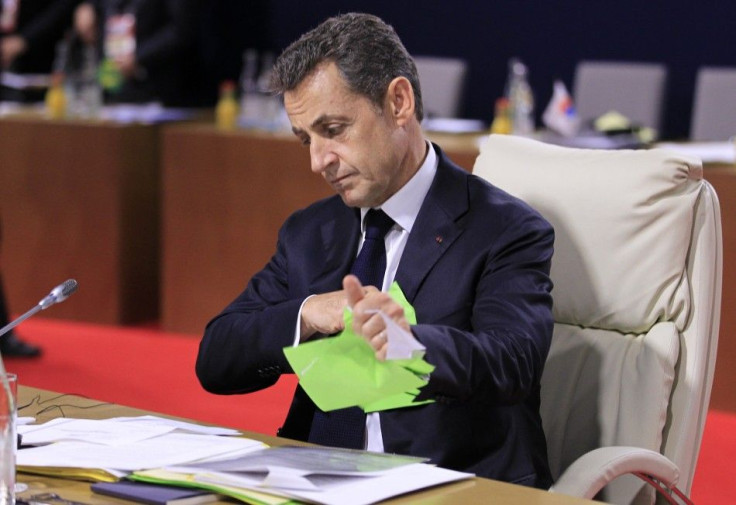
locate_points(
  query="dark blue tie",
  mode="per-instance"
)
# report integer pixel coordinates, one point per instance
(346, 427)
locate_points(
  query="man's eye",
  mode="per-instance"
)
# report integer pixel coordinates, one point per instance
(332, 131)
(305, 141)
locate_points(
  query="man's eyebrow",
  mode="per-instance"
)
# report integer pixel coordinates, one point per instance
(326, 118)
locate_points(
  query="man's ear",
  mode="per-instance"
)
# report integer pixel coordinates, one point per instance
(400, 98)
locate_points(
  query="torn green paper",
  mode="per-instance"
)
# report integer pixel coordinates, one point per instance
(343, 371)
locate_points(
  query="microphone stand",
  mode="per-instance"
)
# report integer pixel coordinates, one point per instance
(58, 294)
(3, 374)
(16, 322)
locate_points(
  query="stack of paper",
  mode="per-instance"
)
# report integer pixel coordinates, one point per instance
(162, 451)
(105, 450)
(321, 475)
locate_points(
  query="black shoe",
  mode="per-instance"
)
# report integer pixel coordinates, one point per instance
(12, 346)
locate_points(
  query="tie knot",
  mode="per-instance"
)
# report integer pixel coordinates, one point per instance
(377, 224)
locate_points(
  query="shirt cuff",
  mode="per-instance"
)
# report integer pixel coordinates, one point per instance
(298, 329)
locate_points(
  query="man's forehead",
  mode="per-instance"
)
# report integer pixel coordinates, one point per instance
(321, 98)
(321, 85)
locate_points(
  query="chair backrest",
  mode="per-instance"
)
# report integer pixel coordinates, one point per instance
(636, 90)
(443, 84)
(637, 289)
(714, 105)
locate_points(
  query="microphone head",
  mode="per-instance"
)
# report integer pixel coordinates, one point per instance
(59, 293)
(68, 287)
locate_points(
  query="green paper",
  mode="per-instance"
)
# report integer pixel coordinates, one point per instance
(343, 371)
(395, 292)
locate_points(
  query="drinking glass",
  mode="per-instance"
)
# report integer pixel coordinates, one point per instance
(8, 438)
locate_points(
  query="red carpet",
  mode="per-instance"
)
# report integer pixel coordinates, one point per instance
(141, 368)
(154, 370)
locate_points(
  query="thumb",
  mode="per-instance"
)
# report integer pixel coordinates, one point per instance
(353, 289)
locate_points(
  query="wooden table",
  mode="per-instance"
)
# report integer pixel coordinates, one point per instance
(47, 405)
(80, 199)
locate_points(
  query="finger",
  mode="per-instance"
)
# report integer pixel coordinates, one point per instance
(379, 340)
(382, 352)
(371, 324)
(353, 289)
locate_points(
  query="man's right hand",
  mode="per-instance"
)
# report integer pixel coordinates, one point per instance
(323, 314)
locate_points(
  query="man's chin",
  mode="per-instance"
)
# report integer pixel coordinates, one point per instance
(350, 199)
(353, 198)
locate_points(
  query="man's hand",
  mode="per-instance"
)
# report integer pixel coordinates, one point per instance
(365, 301)
(323, 314)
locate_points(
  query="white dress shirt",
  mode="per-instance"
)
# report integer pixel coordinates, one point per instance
(403, 207)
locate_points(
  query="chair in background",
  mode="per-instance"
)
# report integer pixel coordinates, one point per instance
(637, 293)
(636, 90)
(714, 106)
(443, 84)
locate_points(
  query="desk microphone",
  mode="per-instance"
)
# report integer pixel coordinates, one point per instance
(58, 294)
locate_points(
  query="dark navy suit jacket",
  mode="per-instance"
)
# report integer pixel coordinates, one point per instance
(475, 268)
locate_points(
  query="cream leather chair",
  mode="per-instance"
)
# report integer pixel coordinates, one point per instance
(637, 293)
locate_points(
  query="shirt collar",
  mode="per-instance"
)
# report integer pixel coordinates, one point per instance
(403, 206)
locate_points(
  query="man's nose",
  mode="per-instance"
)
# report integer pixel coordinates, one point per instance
(321, 154)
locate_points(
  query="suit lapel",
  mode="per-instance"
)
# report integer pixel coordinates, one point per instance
(343, 230)
(436, 226)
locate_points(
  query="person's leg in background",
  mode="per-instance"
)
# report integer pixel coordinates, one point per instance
(10, 344)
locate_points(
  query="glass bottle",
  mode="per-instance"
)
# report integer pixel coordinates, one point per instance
(521, 99)
(226, 111)
(56, 97)
(501, 119)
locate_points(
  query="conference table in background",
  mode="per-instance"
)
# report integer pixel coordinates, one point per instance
(168, 222)
(46, 405)
(225, 195)
(80, 199)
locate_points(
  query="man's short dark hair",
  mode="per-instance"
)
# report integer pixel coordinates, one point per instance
(366, 50)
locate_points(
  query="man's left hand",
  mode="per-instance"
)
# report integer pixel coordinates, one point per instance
(365, 302)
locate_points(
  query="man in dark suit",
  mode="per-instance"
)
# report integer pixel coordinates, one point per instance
(472, 260)
(151, 43)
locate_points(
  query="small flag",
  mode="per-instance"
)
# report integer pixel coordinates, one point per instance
(560, 115)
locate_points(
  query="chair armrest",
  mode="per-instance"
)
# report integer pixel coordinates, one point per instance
(588, 474)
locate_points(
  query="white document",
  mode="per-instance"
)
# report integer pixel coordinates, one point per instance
(164, 450)
(376, 489)
(105, 432)
(338, 489)
(323, 474)
(401, 343)
(179, 426)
